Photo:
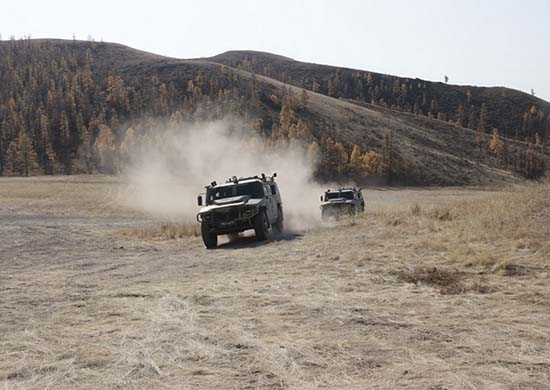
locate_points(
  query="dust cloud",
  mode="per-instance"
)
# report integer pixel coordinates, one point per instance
(171, 170)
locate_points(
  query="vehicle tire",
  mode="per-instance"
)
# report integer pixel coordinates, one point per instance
(261, 226)
(210, 240)
(280, 225)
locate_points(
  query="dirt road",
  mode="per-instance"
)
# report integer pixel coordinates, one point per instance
(405, 297)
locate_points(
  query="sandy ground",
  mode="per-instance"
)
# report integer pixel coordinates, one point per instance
(431, 289)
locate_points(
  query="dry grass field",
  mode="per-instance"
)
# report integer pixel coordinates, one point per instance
(432, 289)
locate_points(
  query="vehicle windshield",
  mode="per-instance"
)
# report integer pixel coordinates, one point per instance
(254, 189)
(341, 194)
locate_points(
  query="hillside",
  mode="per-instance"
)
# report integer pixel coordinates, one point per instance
(74, 106)
(473, 107)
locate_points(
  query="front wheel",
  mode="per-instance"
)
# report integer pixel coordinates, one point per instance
(279, 226)
(210, 239)
(261, 226)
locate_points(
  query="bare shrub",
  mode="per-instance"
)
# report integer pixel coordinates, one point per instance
(509, 268)
(394, 220)
(442, 214)
(448, 282)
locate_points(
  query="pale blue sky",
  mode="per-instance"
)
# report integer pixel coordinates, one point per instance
(473, 42)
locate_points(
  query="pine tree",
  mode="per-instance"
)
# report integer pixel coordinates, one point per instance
(483, 118)
(469, 97)
(341, 157)
(304, 99)
(302, 131)
(104, 148)
(315, 86)
(329, 156)
(26, 163)
(460, 118)
(387, 156)
(356, 161)
(84, 153)
(11, 162)
(369, 79)
(530, 162)
(472, 120)
(496, 144)
(330, 88)
(505, 155)
(128, 145)
(372, 163)
(292, 132)
(538, 140)
(433, 106)
(50, 165)
(64, 130)
(404, 90)
(286, 116)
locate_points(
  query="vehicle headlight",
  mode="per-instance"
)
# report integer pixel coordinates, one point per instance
(248, 212)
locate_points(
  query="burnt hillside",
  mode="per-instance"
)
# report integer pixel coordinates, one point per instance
(77, 107)
(477, 108)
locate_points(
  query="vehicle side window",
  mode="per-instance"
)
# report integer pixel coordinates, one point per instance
(273, 189)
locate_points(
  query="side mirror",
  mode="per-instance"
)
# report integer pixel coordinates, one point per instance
(321, 198)
(199, 200)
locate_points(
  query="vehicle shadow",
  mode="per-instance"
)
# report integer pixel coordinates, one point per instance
(251, 241)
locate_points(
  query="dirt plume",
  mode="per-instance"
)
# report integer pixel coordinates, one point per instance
(173, 167)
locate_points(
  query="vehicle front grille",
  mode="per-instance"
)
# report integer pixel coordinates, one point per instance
(226, 215)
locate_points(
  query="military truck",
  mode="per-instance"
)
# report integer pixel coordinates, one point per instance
(342, 202)
(240, 204)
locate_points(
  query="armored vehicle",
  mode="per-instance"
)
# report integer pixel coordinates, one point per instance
(240, 204)
(340, 202)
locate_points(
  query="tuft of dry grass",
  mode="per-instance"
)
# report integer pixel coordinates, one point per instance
(163, 231)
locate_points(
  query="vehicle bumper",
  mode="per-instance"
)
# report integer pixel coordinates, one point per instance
(225, 223)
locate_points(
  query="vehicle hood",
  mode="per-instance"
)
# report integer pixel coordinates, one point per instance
(234, 201)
